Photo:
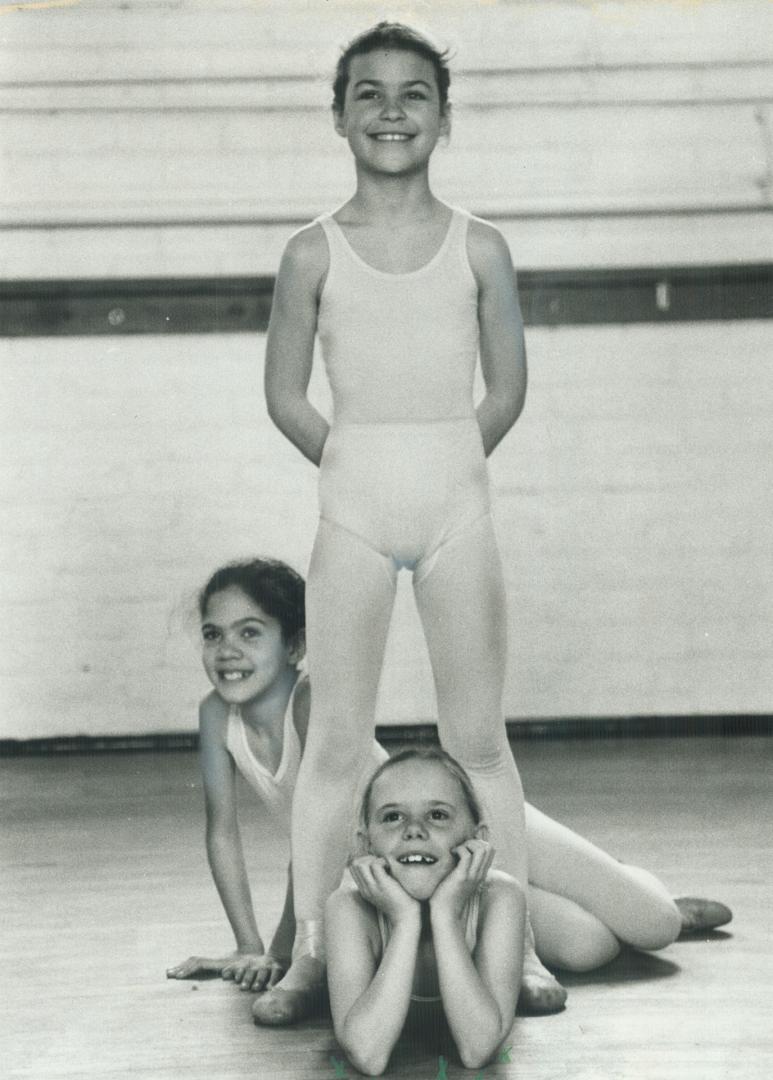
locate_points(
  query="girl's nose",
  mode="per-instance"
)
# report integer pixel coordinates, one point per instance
(392, 109)
(229, 647)
(415, 829)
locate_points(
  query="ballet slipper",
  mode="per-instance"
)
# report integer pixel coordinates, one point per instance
(699, 914)
(541, 993)
(279, 1008)
(300, 992)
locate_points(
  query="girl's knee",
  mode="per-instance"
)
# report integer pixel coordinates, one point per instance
(662, 927)
(654, 920)
(591, 949)
(336, 756)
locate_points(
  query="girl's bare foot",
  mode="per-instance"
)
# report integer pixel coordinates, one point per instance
(699, 914)
(296, 997)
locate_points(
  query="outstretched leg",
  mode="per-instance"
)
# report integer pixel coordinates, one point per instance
(462, 607)
(349, 599)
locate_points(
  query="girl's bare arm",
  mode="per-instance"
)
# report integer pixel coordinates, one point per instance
(502, 345)
(369, 1000)
(480, 992)
(225, 855)
(224, 845)
(290, 344)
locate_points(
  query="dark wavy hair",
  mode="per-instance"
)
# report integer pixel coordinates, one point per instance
(271, 584)
(391, 35)
(424, 753)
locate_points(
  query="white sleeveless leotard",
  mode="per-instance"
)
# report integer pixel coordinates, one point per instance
(403, 467)
(275, 790)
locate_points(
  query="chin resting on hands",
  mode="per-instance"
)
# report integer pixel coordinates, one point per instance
(377, 886)
(249, 970)
(474, 862)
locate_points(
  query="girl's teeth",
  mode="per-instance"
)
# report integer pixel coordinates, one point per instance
(234, 676)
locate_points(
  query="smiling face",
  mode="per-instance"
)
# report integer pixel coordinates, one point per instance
(243, 650)
(418, 814)
(392, 115)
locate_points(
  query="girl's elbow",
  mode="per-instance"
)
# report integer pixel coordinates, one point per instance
(475, 1059)
(276, 407)
(369, 1066)
(220, 838)
(369, 1063)
(481, 1050)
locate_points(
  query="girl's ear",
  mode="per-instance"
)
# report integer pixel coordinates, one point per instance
(362, 846)
(297, 649)
(338, 121)
(445, 122)
(482, 831)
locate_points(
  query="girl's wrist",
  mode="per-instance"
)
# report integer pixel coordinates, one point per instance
(442, 914)
(254, 945)
(408, 917)
(280, 950)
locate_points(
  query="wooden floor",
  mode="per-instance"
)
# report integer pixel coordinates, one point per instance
(105, 884)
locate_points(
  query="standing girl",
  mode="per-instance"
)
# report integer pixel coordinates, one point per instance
(406, 293)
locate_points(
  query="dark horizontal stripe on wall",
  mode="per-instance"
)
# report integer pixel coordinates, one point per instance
(614, 727)
(242, 304)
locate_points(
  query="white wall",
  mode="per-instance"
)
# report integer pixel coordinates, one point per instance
(158, 138)
(634, 509)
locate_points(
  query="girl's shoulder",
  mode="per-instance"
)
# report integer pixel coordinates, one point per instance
(347, 904)
(213, 714)
(485, 243)
(304, 266)
(500, 888)
(307, 248)
(302, 708)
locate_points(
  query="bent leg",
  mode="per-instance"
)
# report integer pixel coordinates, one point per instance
(567, 936)
(349, 599)
(631, 902)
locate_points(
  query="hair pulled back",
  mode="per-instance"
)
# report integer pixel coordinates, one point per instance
(272, 585)
(391, 35)
(435, 755)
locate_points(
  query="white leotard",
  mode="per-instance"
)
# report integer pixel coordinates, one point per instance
(403, 467)
(275, 790)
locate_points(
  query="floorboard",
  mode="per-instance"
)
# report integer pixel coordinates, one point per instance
(105, 884)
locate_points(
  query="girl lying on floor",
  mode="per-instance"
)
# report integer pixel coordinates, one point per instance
(584, 904)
